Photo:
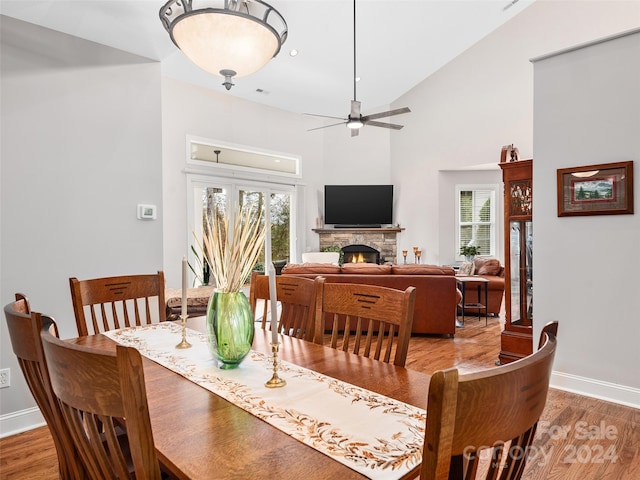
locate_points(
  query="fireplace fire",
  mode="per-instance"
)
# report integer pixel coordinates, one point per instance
(360, 254)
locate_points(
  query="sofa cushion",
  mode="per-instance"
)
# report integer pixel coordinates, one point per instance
(421, 270)
(366, 269)
(487, 266)
(310, 268)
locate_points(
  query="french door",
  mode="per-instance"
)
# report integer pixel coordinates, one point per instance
(220, 197)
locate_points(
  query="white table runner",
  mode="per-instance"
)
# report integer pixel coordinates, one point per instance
(377, 436)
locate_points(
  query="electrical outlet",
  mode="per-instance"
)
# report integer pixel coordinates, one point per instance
(5, 378)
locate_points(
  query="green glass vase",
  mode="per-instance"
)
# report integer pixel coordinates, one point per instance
(230, 327)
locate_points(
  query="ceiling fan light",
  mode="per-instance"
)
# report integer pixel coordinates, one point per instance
(239, 36)
(354, 123)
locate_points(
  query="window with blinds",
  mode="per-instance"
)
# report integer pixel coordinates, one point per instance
(476, 218)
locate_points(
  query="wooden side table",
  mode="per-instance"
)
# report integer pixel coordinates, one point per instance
(481, 283)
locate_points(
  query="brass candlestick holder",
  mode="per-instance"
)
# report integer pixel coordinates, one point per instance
(404, 254)
(275, 381)
(418, 255)
(184, 343)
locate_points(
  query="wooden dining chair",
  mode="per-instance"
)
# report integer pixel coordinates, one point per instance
(549, 328)
(110, 303)
(495, 411)
(297, 297)
(24, 331)
(374, 320)
(96, 390)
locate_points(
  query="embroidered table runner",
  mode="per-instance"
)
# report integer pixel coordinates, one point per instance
(377, 436)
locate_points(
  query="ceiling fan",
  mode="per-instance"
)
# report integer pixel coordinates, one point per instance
(355, 120)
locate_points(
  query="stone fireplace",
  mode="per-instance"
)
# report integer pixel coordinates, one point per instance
(381, 240)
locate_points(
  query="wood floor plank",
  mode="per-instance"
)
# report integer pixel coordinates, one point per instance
(571, 456)
(28, 456)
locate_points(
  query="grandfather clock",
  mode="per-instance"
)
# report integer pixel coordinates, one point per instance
(516, 341)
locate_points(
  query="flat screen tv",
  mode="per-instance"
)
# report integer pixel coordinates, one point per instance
(358, 205)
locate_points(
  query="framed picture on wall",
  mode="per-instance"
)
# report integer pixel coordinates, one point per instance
(604, 189)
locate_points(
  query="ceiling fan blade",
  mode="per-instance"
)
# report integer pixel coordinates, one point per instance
(324, 116)
(326, 126)
(393, 126)
(355, 109)
(397, 111)
(355, 132)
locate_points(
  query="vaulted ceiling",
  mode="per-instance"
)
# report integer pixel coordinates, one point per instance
(399, 44)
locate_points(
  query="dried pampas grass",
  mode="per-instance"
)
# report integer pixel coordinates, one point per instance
(232, 253)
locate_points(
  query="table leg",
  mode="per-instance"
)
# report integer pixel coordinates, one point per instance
(463, 301)
(486, 304)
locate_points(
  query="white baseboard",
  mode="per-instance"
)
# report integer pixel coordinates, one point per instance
(610, 392)
(20, 421)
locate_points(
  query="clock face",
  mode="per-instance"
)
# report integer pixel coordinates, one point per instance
(521, 195)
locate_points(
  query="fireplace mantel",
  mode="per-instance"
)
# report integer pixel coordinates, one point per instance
(355, 230)
(381, 239)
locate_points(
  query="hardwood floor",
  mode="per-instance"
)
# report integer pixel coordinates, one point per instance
(578, 438)
(28, 456)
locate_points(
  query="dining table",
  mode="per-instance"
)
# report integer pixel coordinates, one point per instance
(201, 435)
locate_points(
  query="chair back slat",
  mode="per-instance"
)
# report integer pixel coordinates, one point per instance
(97, 392)
(109, 303)
(367, 320)
(387, 352)
(24, 331)
(496, 409)
(296, 296)
(127, 322)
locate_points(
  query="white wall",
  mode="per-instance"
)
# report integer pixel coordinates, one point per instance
(463, 114)
(328, 155)
(358, 160)
(80, 148)
(587, 112)
(189, 110)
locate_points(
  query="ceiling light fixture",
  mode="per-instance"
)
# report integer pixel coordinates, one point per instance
(228, 38)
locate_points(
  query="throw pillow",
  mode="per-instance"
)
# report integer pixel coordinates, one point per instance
(466, 268)
(487, 266)
(310, 268)
(366, 269)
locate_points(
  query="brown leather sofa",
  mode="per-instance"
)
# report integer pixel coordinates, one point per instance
(489, 268)
(436, 292)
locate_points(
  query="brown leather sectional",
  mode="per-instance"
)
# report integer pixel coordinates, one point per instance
(436, 292)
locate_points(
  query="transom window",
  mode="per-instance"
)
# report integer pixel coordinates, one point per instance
(225, 156)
